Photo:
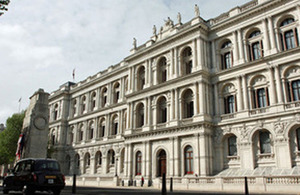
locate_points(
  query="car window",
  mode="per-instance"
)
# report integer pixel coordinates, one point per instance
(20, 167)
(46, 165)
(27, 167)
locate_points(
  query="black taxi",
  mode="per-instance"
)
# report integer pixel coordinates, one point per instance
(30, 175)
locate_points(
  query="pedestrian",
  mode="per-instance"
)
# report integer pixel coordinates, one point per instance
(143, 181)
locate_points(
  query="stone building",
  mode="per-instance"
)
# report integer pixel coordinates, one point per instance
(199, 101)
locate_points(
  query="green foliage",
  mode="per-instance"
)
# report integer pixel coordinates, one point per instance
(9, 138)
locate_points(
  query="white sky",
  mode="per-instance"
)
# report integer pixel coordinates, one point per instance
(42, 41)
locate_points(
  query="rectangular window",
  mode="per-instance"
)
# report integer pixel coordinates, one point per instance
(265, 142)
(296, 90)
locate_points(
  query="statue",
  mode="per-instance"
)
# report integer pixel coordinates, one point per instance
(169, 22)
(154, 30)
(197, 12)
(179, 18)
(134, 43)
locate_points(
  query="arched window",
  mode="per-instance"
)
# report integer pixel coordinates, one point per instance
(74, 107)
(289, 34)
(260, 93)
(140, 115)
(55, 112)
(111, 157)
(188, 104)
(162, 163)
(101, 132)
(162, 110)
(116, 93)
(80, 132)
(162, 70)
(115, 125)
(87, 160)
(230, 105)
(298, 138)
(255, 45)
(187, 61)
(293, 90)
(53, 137)
(260, 97)
(98, 158)
(138, 169)
(264, 142)
(189, 160)
(91, 130)
(93, 101)
(141, 78)
(83, 104)
(126, 84)
(71, 136)
(232, 149)
(77, 161)
(226, 55)
(104, 97)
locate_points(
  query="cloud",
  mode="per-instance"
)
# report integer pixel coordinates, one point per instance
(42, 41)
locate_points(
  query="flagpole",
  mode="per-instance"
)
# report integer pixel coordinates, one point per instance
(20, 104)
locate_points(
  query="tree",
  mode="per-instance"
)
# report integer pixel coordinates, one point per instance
(3, 6)
(9, 138)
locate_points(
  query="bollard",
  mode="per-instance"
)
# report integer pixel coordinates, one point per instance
(134, 183)
(74, 184)
(246, 187)
(149, 183)
(164, 187)
(171, 184)
(122, 182)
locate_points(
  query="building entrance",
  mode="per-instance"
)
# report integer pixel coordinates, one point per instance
(162, 163)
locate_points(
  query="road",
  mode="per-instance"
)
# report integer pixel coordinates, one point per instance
(127, 191)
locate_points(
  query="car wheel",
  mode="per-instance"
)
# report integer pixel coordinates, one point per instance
(56, 192)
(27, 190)
(5, 191)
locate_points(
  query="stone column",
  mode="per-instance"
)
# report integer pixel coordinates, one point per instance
(201, 97)
(144, 158)
(176, 63)
(245, 93)
(197, 154)
(278, 84)
(147, 70)
(266, 40)
(107, 125)
(77, 106)
(130, 161)
(172, 158)
(98, 102)
(236, 50)
(282, 154)
(272, 36)
(176, 157)
(216, 94)
(126, 174)
(196, 107)
(272, 87)
(213, 48)
(150, 72)
(246, 51)
(247, 156)
(109, 94)
(149, 112)
(239, 94)
(104, 163)
(203, 155)
(199, 54)
(241, 49)
(176, 102)
(148, 160)
(195, 57)
(92, 163)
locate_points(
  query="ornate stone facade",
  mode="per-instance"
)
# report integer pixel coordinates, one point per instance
(217, 97)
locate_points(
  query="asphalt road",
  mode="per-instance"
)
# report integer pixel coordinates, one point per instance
(125, 191)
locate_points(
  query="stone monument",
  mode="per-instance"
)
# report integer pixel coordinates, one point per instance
(36, 126)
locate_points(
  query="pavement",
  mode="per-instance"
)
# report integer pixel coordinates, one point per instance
(133, 191)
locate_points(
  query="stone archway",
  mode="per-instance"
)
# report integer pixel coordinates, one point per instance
(162, 163)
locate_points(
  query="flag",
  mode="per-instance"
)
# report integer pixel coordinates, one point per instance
(73, 74)
(20, 146)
